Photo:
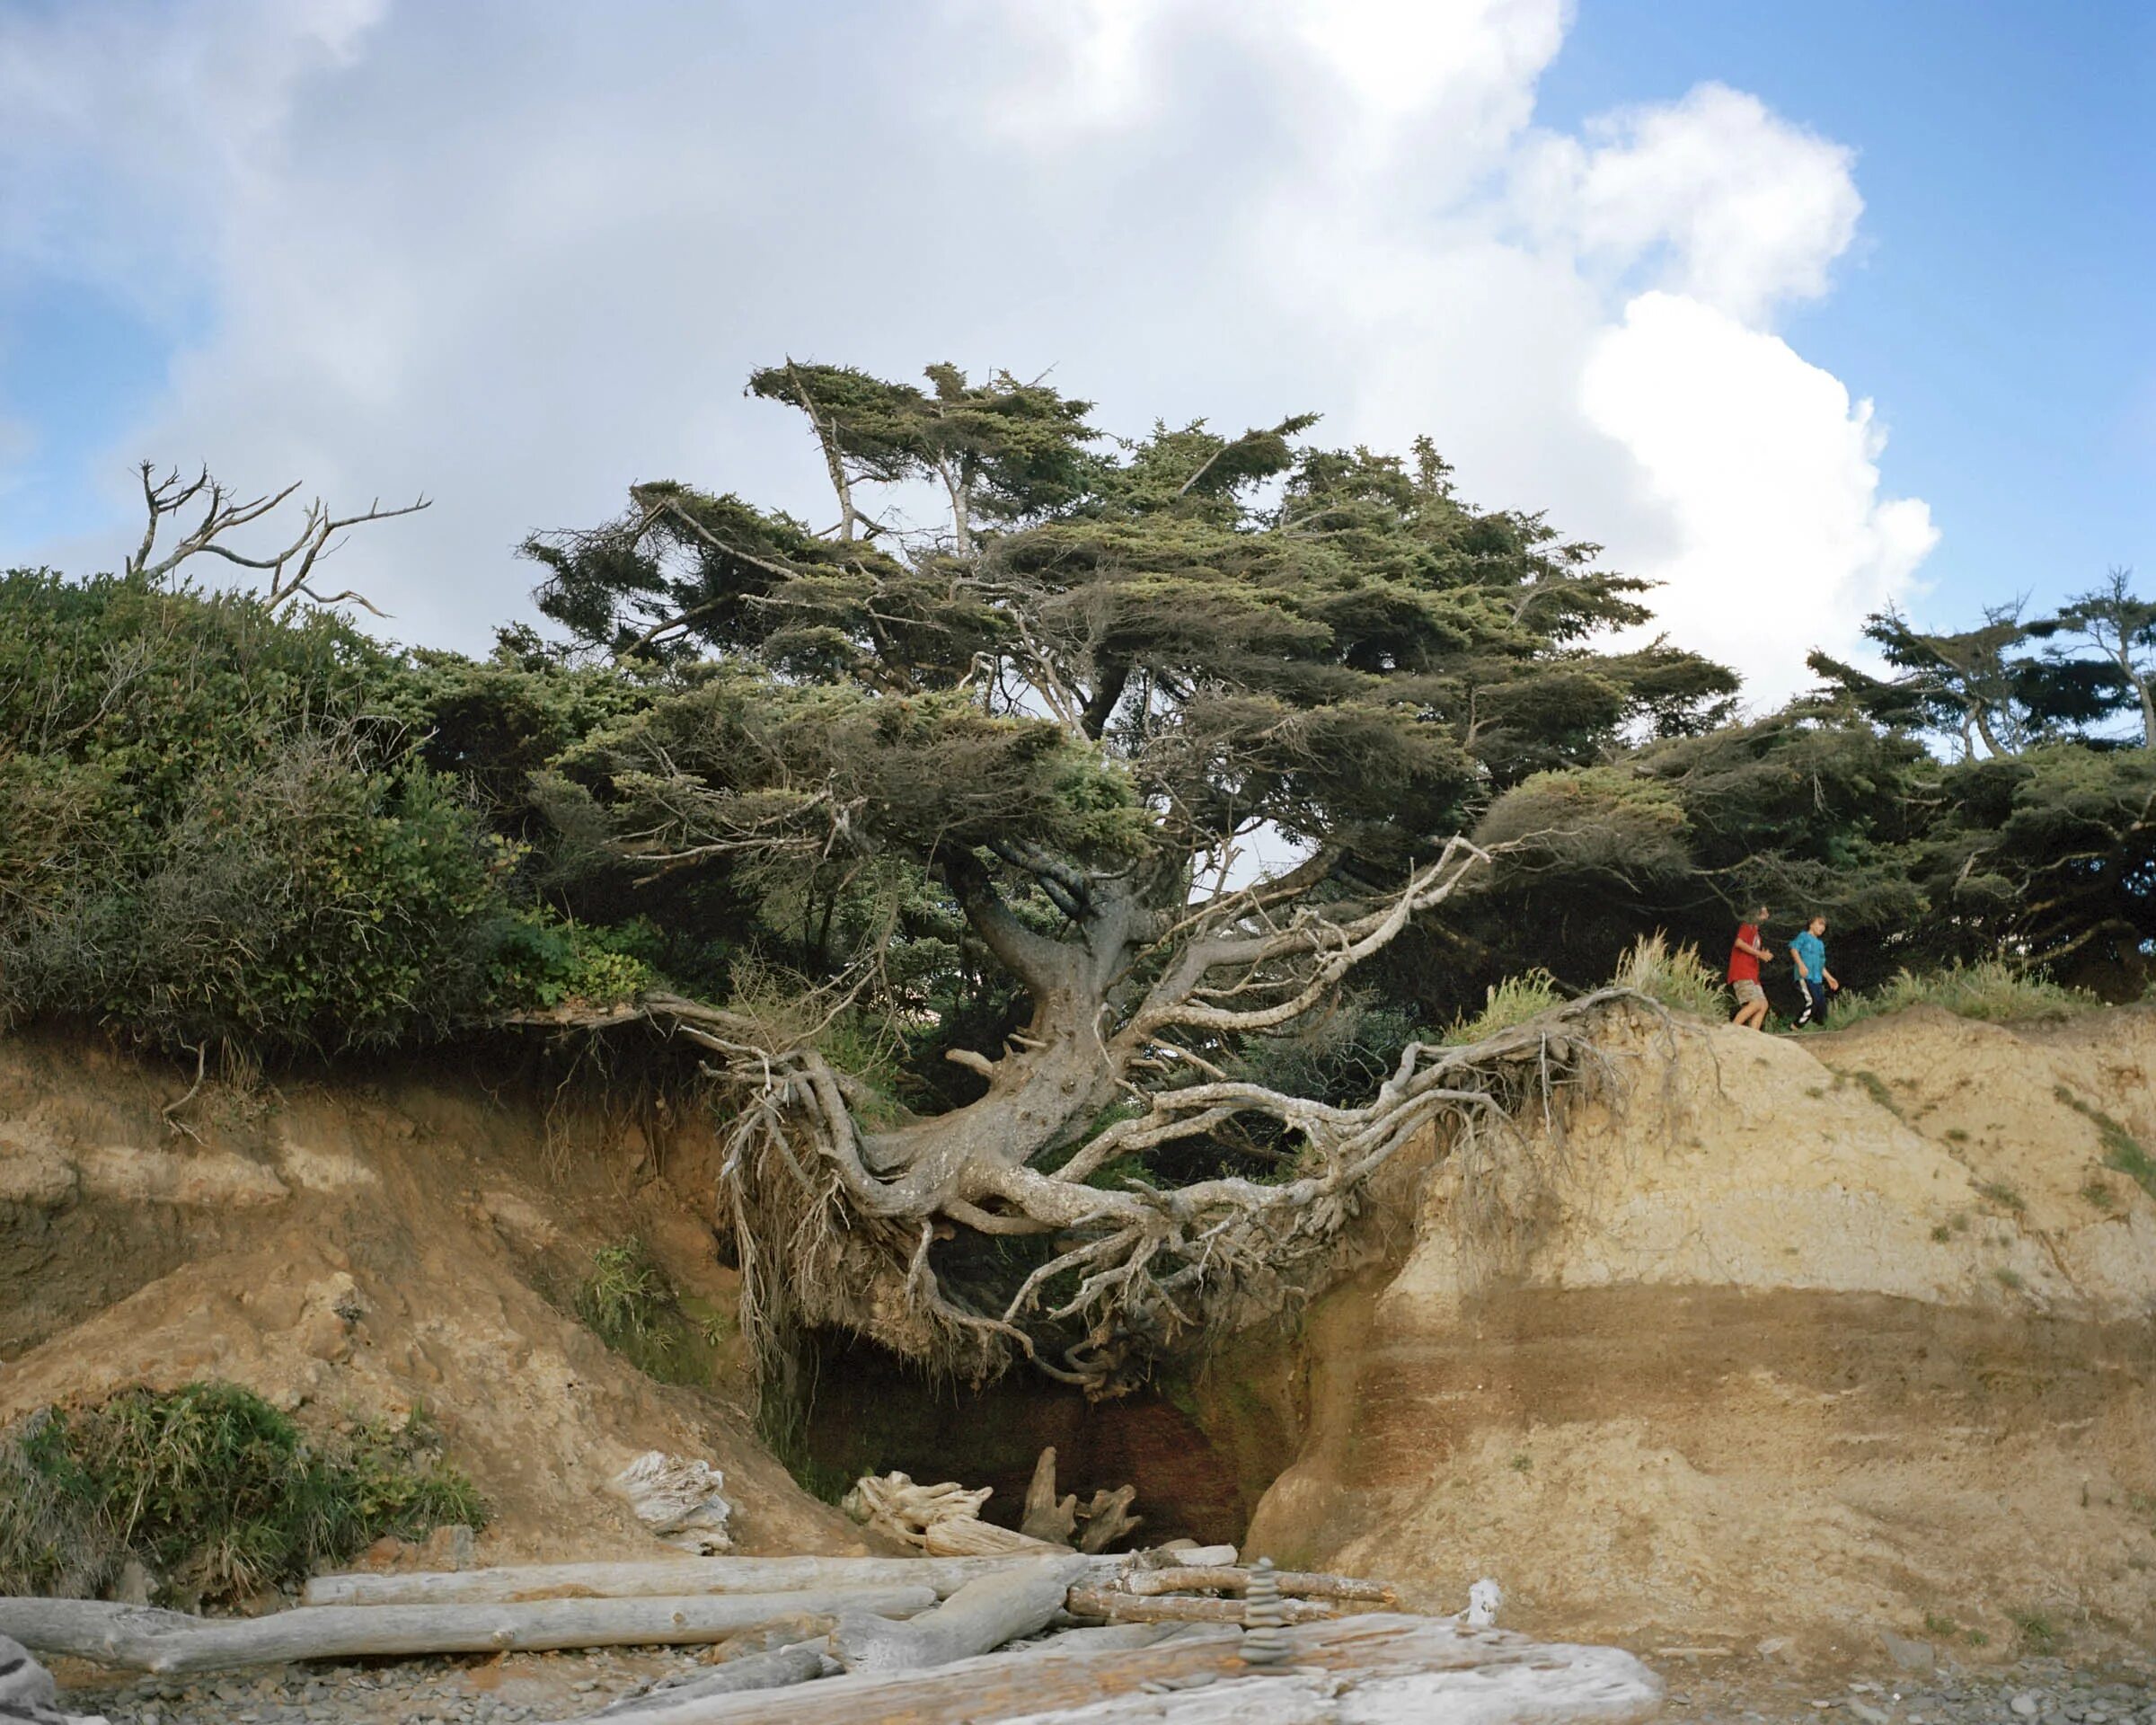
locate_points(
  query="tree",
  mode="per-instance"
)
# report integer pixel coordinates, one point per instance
(2121, 628)
(1059, 715)
(1976, 686)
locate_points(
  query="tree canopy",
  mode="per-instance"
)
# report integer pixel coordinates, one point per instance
(1068, 855)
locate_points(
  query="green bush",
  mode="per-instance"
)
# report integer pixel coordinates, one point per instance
(214, 824)
(1991, 990)
(210, 1488)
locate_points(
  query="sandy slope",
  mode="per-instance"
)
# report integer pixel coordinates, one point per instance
(362, 1249)
(1830, 1333)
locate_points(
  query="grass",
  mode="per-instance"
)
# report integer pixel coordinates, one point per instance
(1674, 976)
(212, 1490)
(2038, 1636)
(1877, 1088)
(2009, 1279)
(1511, 1002)
(631, 1305)
(1997, 1191)
(1522, 1463)
(1991, 990)
(2123, 1154)
(2099, 1194)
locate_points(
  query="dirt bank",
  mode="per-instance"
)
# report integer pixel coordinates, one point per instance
(1826, 1335)
(364, 1248)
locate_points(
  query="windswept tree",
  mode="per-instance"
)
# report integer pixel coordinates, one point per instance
(1063, 714)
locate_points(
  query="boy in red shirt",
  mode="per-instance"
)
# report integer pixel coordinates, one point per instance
(1744, 959)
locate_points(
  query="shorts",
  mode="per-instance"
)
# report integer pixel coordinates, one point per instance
(1747, 992)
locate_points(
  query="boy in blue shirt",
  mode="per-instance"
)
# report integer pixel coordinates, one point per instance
(1808, 951)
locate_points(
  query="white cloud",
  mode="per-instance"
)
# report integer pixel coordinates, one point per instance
(523, 258)
(1771, 476)
(1740, 209)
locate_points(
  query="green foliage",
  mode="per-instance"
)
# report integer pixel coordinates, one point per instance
(543, 960)
(213, 825)
(212, 1489)
(1993, 991)
(1673, 974)
(1511, 1002)
(631, 1306)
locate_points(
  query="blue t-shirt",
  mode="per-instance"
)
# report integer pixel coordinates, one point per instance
(1811, 953)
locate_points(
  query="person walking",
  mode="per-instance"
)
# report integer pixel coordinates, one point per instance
(1746, 956)
(1808, 953)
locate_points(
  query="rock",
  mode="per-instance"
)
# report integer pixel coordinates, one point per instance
(1911, 1656)
(1774, 1647)
(1866, 1712)
(2025, 1705)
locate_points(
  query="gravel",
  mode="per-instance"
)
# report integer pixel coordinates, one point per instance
(1746, 1691)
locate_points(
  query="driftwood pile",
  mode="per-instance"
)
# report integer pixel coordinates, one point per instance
(945, 1520)
(915, 1640)
(910, 1640)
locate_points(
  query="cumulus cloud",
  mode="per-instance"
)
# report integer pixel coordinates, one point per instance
(1770, 475)
(522, 256)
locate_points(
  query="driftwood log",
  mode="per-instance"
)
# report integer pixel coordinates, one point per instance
(779, 1669)
(978, 1618)
(678, 1576)
(1049, 1516)
(149, 1640)
(1227, 1578)
(1117, 1606)
(1373, 1670)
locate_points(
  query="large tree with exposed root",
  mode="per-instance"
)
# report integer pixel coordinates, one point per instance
(1072, 714)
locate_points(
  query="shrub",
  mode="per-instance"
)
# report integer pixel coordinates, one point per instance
(1675, 976)
(214, 824)
(1511, 1002)
(210, 1488)
(1991, 990)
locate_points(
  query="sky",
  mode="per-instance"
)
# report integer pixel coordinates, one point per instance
(1799, 311)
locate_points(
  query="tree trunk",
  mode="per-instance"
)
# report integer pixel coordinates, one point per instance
(169, 1641)
(978, 1618)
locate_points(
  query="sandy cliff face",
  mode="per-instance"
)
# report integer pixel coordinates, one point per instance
(1827, 1334)
(359, 1250)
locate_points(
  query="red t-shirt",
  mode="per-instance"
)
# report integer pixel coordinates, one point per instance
(1744, 966)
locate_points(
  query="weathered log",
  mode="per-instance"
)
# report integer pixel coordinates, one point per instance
(961, 1537)
(775, 1669)
(676, 1577)
(1120, 1607)
(169, 1641)
(1432, 1668)
(978, 1618)
(1108, 1518)
(1226, 1579)
(1049, 1516)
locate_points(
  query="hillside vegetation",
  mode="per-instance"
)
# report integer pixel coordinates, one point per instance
(918, 851)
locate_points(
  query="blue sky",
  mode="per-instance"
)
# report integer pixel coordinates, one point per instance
(2000, 302)
(1638, 265)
